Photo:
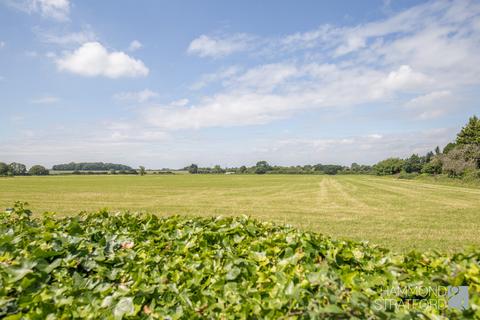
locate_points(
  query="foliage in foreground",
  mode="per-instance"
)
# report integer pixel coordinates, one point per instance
(102, 265)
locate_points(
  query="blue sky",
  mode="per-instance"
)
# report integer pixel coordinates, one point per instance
(165, 84)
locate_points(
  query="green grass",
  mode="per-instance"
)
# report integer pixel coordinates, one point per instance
(398, 214)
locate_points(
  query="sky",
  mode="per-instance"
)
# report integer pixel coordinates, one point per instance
(168, 83)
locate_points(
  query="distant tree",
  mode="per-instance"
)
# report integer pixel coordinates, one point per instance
(141, 170)
(470, 134)
(449, 147)
(307, 168)
(437, 150)
(3, 169)
(331, 169)
(242, 169)
(262, 167)
(193, 168)
(218, 169)
(413, 164)
(355, 167)
(434, 166)
(17, 169)
(429, 156)
(38, 170)
(90, 166)
(389, 166)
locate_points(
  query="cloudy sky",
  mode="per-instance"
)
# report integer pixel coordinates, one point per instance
(168, 83)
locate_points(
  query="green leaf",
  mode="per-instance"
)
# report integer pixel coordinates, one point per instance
(124, 307)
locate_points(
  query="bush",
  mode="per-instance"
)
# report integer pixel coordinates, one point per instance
(389, 166)
(434, 166)
(460, 159)
(408, 176)
(102, 265)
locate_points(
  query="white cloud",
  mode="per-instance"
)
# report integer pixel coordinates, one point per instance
(264, 94)
(92, 59)
(55, 9)
(428, 48)
(136, 96)
(45, 100)
(31, 54)
(66, 39)
(219, 46)
(266, 77)
(206, 79)
(2, 44)
(135, 45)
(365, 149)
(431, 105)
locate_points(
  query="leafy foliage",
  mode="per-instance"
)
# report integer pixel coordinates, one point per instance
(17, 169)
(38, 170)
(470, 134)
(389, 166)
(90, 166)
(3, 169)
(114, 266)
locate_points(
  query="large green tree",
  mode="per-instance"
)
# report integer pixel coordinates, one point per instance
(470, 134)
(3, 169)
(38, 170)
(193, 168)
(17, 169)
(262, 167)
(389, 166)
(413, 164)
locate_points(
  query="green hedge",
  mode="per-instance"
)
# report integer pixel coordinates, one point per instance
(102, 265)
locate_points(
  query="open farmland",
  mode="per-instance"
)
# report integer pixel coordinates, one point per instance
(398, 214)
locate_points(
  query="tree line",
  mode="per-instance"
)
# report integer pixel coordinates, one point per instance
(457, 159)
(90, 166)
(19, 169)
(81, 168)
(263, 167)
(460, 158)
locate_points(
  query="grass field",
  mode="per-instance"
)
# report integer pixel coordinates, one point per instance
(398, 214)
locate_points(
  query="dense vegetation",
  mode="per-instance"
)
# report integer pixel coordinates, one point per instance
(458, 159)
(101, 265)
(90, 166)
(263, 167)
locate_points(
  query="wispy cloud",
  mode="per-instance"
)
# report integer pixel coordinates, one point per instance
(383, 61)
(216, 46)
(136, 96)
(220, 75)
(432, 105)
(272, 92)
(348, 149)
(45, 100)
(135, 45)
(55, 9)
(66, 38)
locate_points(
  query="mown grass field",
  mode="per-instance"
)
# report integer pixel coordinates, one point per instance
(397, 214)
